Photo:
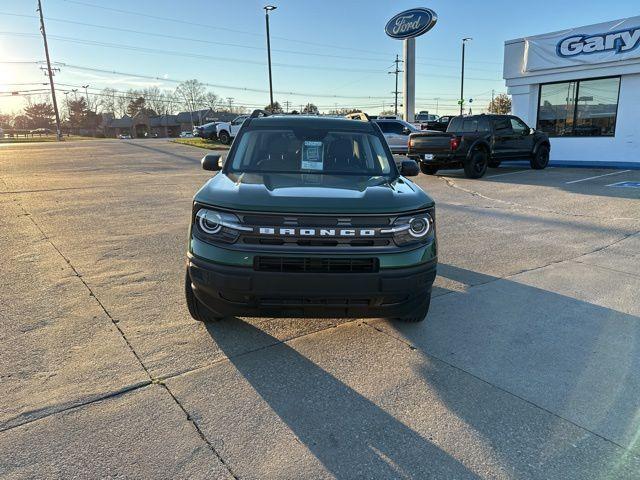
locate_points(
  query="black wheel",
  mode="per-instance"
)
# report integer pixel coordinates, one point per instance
(540, 159)
(428, 169)
(224, 137)
(476, 165)
(494, 163)
(420, 313)
(197, 310)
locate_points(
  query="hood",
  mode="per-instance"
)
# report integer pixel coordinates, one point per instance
(311, 193)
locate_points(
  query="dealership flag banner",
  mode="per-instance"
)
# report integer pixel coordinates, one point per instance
(602, 43)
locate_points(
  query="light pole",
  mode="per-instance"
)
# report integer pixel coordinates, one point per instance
(464, 42)
(86, 95)
(268, 9)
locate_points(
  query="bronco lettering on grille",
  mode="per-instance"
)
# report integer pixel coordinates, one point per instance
(318, 232)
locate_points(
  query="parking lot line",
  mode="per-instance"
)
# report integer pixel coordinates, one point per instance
(597, 176)
(509, 173)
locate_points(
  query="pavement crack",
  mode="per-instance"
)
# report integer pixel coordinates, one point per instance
(75, 406)
(115, 323)
(199, 431)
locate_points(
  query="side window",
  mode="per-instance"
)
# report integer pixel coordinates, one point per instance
(470, 124)
(384, 126)
(502, 126)
(455, 125)
(483, 124)
(519, 128)
(396, 127)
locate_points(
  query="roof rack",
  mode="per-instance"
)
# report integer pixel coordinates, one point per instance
(257, 113)
(358, 116)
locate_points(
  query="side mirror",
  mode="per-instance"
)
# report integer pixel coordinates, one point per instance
(406, 131)
(409, 168)
(211, 162)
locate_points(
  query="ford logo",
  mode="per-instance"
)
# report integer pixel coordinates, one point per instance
(411, 23)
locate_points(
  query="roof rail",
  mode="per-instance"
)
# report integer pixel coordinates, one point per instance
(257, 113)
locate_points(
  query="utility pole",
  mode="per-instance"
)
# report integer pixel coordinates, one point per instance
(396, 71)
(230, 100)
(493, 93)
(464, 42)
(53, 88)
(267, 9)
(437, 102)
(286, 106)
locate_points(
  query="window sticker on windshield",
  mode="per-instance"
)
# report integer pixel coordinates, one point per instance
(312, 155)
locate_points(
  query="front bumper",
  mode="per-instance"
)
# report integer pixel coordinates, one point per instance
(243, 291)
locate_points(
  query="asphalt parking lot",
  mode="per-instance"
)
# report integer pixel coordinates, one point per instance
(528, 365)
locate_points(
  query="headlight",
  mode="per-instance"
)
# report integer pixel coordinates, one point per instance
(412, 229)
(216, 227)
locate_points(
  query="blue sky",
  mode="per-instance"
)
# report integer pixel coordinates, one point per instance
(327, 52)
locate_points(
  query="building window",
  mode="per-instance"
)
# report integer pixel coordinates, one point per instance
(582, 108)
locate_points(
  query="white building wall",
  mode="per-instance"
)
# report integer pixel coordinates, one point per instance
(621, 150)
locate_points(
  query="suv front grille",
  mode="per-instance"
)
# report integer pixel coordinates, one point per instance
(293, 224)
(315, 265)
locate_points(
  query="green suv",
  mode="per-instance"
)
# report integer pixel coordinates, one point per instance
(310, 217)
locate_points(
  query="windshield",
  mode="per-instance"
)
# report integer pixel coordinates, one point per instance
(310, 151)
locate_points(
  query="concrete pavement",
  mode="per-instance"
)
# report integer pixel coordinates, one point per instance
(526, 367)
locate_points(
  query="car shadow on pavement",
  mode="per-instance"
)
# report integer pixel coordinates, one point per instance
(577, 362)
(350, 435)
(169, 153)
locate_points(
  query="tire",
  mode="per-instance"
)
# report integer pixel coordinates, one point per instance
(421, 312)
(476, 165)
(197, 310)
(540, 159)
(224, 137)
(428, 169)
(494, 163)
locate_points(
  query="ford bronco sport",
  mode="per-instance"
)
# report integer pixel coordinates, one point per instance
(310, 217)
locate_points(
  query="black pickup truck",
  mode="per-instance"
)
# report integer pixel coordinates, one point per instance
(477, 142)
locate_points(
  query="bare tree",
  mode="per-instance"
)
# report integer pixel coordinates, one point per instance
(155, 100)
(192, 95)
(213, 101)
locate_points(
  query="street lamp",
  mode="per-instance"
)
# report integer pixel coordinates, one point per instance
(268, 9)
(86, 95)
(464, 42)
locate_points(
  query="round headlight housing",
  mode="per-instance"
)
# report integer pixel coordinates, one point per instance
(414, 229)
(419, 227)
(215, 226)
(209, 221)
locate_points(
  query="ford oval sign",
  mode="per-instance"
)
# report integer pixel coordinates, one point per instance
(411, 23)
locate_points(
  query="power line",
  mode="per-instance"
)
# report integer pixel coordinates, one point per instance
(245, 32)
(226, 44)
(135, 48)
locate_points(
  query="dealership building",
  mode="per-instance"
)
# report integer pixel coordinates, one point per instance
(582, 87)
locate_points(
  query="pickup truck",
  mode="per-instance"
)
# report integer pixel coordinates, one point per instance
(439, 125)
(226, 131)
(309, 216)
(477, 142)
